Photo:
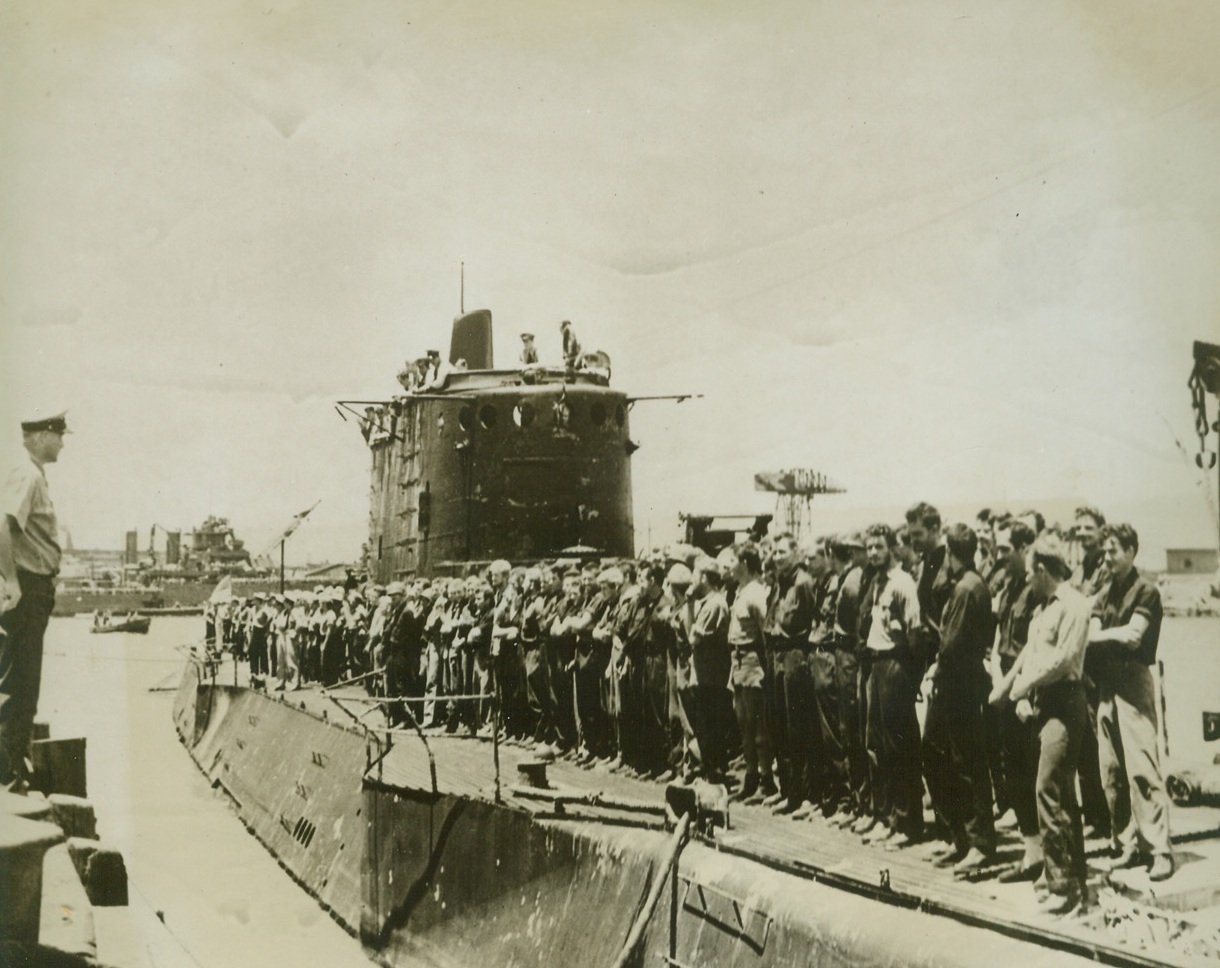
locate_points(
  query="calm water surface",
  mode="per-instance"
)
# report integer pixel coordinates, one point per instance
(224, 900)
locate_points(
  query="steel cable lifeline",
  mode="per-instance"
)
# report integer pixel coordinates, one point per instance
(370, 730)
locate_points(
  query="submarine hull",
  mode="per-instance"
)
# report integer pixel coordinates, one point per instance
(414, 855)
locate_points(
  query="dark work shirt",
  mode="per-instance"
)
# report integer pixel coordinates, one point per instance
(1118, 603)
(996, 576)
(847, 606)
(864, 609)
(634, 623)
(793, 606)
(1015, 607)
(967, 627)
(1091, 574)
(826, 592)
(935, 587)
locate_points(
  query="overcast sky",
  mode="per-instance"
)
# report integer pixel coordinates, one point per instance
(937, 250)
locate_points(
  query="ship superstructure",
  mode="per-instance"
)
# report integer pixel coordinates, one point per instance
(483, 463)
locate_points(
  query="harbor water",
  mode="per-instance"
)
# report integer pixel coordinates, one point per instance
(205, 893)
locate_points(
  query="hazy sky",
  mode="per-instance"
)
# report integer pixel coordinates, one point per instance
(936, 250)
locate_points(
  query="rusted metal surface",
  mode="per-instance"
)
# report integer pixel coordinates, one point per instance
(517, 471)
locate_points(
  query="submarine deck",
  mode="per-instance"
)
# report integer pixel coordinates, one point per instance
(1134, 921)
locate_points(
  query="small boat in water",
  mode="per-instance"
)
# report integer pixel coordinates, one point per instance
(137, 625)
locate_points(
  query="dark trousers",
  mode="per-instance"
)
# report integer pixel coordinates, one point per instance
(848, 760)
(895, 767)
(866, 802)
(21, 672)
(801, 733)
(955, 761)
(258, 651)
(713, 711)
(459, 681)
(992, 730)
(538, 693)
(1093, 805)
(1019, 744)
(1062, 722)
(659, 739)
(333, 659)
(644, 713)
(403, 679)
(775, 716)
(591, 713)
(750, 705)
(831, 767)
(556, 657)
(508, 679)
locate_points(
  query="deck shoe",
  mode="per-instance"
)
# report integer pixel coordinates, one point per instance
(949, 857)
(899, 842)
(864, 825)
(1021, 872)
(1162, 868)
(773, 797)
(806, 811)
(1007, 820)
(878, 833)
(974, 861)
(748, 789)
(785, 807)
(1126, 859)
(1060, 905)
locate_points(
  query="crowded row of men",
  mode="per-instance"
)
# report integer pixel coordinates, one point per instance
(995, 664)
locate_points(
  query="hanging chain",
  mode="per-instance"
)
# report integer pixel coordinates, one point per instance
(1198, 398)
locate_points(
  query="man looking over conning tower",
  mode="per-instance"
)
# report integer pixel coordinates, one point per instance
(529, 352)
(571, 345)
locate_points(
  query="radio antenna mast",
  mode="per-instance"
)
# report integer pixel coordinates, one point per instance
(462, 293)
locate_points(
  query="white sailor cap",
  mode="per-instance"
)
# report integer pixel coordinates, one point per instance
(42, 418)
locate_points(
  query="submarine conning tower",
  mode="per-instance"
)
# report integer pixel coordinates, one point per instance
(479, 463)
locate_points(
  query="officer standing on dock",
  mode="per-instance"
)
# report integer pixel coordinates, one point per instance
(29, 562)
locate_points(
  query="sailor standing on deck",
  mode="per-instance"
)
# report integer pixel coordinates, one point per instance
(1123, 636)
(892, 731)
(1046, 684)
(747, 674)
(954, 750)
(790, 615)
(29, 562)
